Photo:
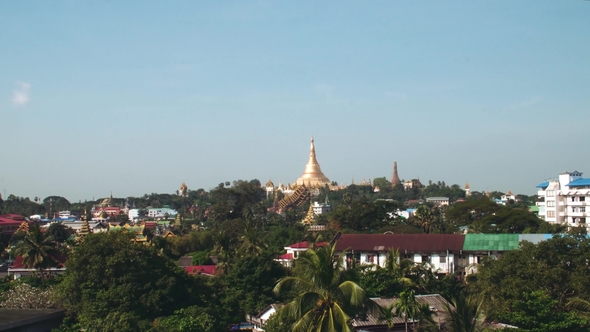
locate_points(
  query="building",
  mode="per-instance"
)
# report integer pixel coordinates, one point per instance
(320, 208)
(446, 253)
(161, 213)
(371, 322)
(438, 201)
(564, 200)
(9, 223)
(313, 176)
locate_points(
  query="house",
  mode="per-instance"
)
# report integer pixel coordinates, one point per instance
(564, 200)
(262, 317)
(18, 270)
(371, 323)
(293, 252)
(207, 270)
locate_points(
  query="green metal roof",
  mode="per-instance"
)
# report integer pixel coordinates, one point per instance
(490, 242)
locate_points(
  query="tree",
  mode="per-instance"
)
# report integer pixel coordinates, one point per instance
(536, 313)
(325, 299)
(108, 274)
(59, 232)
(388, 281)
(406, 306)
(38, 250)
(466, 315)
(558, 266)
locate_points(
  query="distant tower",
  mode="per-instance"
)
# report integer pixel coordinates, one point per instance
(467, 189)
(395, 177)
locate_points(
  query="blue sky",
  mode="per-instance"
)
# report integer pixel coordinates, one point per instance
(136, 97)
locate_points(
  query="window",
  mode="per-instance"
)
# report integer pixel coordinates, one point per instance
(550, 193)
(562, 208)
(425, 259)
(550, 214)
(582, 198)
(582, 209)
(550, 203)
(369, 258)
(442, 259)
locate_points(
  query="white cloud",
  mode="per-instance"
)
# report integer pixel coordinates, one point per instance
(21, 94)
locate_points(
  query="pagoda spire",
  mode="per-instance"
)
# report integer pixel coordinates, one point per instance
(395, 177)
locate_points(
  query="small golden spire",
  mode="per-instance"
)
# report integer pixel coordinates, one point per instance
(309, 217)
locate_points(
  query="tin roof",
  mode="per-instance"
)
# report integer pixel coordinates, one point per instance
(579, 183)
(402, 242)
(435, 301)
(491, 242)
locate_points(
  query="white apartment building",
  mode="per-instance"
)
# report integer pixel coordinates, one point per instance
(565, 200)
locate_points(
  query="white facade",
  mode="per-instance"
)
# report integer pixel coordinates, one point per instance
(161, 212)
(440, 201)
(133, 214)
(321, 208)
(566, 200)
(440, 262)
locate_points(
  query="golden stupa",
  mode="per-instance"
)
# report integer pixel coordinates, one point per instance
(313, 176)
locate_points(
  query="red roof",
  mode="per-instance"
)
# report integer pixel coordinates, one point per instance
(286, 256)
(18, 262)
(150, 224)
(303, 245)
(13, 216)
(402, 242)
(7, 221)
(203, 269)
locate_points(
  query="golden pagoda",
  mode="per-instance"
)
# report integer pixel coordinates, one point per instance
(312, 176)
(309, 217)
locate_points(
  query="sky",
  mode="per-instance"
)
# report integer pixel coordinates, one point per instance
(136, 97)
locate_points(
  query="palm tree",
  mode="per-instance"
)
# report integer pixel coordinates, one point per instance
(37, 250)
(326, 300)
(466, 316)
(251, 242)
(424, 218)
(406, 306)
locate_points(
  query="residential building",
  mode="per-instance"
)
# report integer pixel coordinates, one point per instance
(565, 200)
(438, 201)
(446, 253)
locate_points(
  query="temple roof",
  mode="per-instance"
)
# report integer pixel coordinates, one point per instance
(313, 175)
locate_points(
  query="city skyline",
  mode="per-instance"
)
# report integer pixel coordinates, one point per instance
(134, 98)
